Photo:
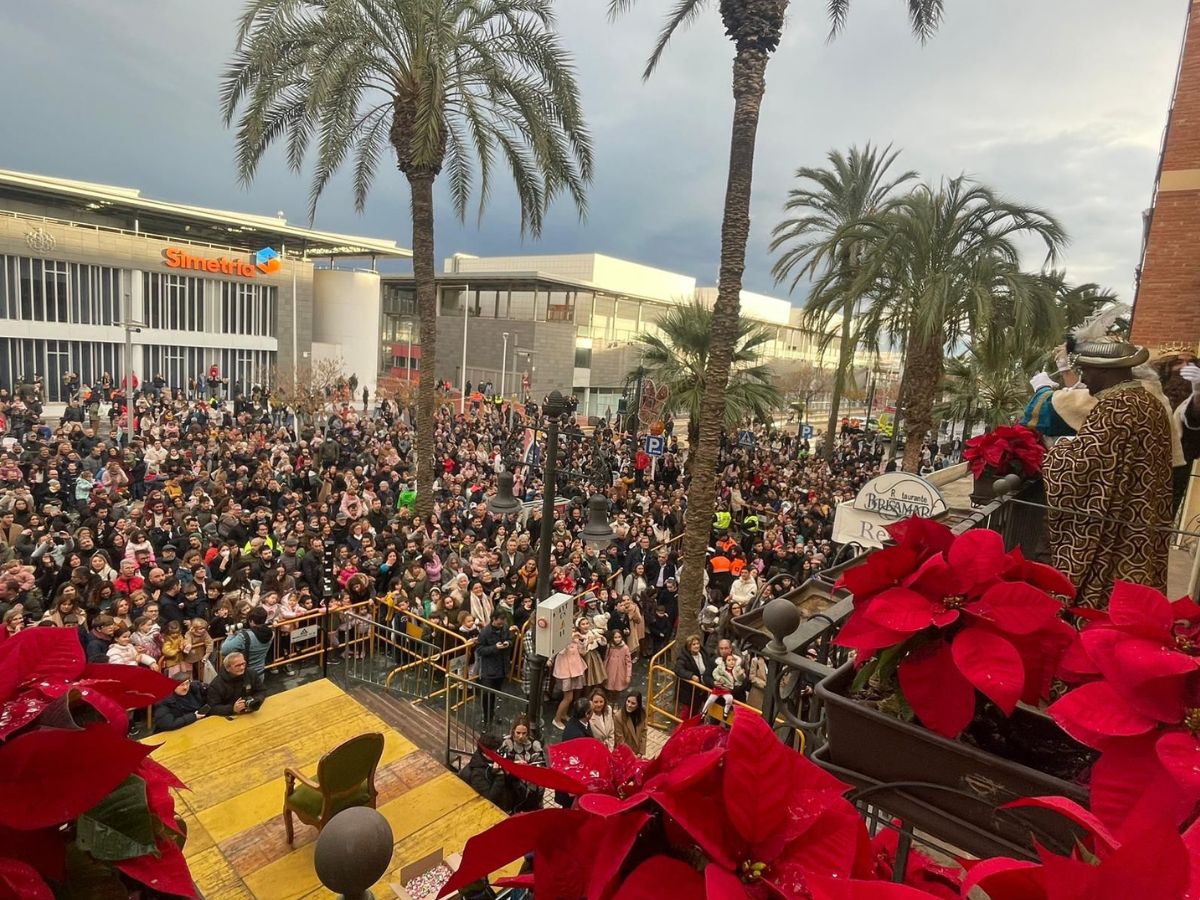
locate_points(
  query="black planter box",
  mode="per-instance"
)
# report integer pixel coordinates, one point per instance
(948, 789)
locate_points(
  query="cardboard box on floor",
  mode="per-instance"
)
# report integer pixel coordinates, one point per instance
(419, 868)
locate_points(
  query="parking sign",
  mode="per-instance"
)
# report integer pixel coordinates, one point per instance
(656, 445)
(806, 431)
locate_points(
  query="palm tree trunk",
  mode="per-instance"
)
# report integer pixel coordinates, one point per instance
(923, 370)
(749, 84)
(693, 433)
(839, 379)
(421, 189)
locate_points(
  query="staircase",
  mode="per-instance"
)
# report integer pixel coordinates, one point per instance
(423, 726)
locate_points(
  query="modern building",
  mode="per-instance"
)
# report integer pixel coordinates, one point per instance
(1166, 311)
(564, 321)
(248, 293)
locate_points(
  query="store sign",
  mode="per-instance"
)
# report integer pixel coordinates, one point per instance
(883, 501)
(265, 262)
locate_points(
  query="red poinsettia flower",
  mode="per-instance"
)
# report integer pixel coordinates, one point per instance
(1153, 861)
(56, 710)
(1009, 448)
(979, 622)
(1142, 711)
(920, 871)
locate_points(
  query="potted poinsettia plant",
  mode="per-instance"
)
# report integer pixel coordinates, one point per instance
(1006, 450)
(726, 814)
(84, 811)
(951, 633)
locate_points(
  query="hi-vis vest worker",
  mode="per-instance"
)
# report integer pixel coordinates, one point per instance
(722, 520)
(750, 523)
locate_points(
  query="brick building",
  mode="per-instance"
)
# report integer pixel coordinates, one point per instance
(1167, 306)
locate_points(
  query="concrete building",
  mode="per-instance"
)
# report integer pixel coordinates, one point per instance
(1166, 312)
(565, 321)
(244, 292)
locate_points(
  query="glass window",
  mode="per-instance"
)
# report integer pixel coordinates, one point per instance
(583, 357)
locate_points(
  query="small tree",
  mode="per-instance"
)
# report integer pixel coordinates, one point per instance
(801, 385)
(307, 388)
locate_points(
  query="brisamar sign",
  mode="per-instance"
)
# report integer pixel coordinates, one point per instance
(882, 501)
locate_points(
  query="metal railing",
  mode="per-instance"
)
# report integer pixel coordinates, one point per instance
(471, 709)
(312, 636)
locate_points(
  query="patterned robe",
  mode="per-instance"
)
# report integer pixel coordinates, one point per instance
(1117, 467)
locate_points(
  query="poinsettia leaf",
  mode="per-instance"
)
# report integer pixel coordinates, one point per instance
(609, 842)
(978, 556)
(1092, 713)
(90, 879)
(648, 880)
(19, 879)
(542, 776)
(1015, 607)
(586, 760)
(691, 812)
(881, 569)
(1130, 660)
(906, 611)
(721, 884)
(18, 712)
(828, 847)
(166, 871)
(753, 759)
(925, 537)
(30, 761)
(690, 737)
(510, 839)
(1129, 787)
(937, 692)
(35, 653)
(1006, 879)
(821, 888)
(134, 687)
(159, 782)
(861, 634)
(43, 848)
(1041, 576)
(1069, 809)
(991, 664)
(627, 769)
(119, 826)
(1179, 753)
(1140, 608)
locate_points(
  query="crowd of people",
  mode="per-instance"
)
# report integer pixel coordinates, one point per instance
(186, 545)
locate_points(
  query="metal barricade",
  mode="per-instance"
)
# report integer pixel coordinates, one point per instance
(471, 710)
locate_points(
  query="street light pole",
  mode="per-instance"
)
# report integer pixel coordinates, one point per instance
(503, 364)
(130, 327)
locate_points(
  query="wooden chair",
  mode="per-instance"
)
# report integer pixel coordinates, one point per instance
(345, 778)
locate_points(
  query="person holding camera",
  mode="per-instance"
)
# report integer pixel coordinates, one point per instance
(237, 689)
(186, 704)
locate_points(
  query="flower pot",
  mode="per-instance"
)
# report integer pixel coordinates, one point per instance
(947, 788)
(814, 597)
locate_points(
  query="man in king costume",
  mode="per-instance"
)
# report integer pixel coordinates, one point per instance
(1108, 488)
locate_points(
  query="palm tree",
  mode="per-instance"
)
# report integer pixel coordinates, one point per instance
(756, 28)
(941, 267)
(989, 383)
(467, 86)
(823, 236)
(679, 360)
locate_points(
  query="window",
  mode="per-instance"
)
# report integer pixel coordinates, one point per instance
(248, 309)
(173, 302)
(583, 357)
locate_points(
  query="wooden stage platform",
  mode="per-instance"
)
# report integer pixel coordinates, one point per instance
(236, 846)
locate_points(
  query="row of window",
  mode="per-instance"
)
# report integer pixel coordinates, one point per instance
(37, 290)
(46, 290)
(91, 360)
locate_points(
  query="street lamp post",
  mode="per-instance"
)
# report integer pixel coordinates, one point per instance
(596, 532)
(130, 327)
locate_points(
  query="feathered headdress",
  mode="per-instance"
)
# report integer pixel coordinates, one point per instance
(1100, 342)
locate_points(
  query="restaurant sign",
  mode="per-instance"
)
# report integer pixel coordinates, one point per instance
(883, 500)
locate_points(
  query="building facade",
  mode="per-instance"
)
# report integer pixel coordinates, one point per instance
(79, 262)
(1166, 311)
(568, 322)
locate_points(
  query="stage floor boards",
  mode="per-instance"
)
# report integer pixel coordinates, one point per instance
(236, 846)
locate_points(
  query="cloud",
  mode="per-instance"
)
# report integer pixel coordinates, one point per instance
(1059, 104)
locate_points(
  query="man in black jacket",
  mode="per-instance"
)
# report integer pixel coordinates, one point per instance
(236, 690)
(495, 643)
(312, 569)
(97, 641)
(183, 707)
(488, 779)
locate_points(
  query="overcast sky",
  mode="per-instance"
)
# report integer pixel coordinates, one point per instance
(1055, 102)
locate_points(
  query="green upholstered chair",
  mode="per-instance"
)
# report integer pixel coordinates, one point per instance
(345, 778)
